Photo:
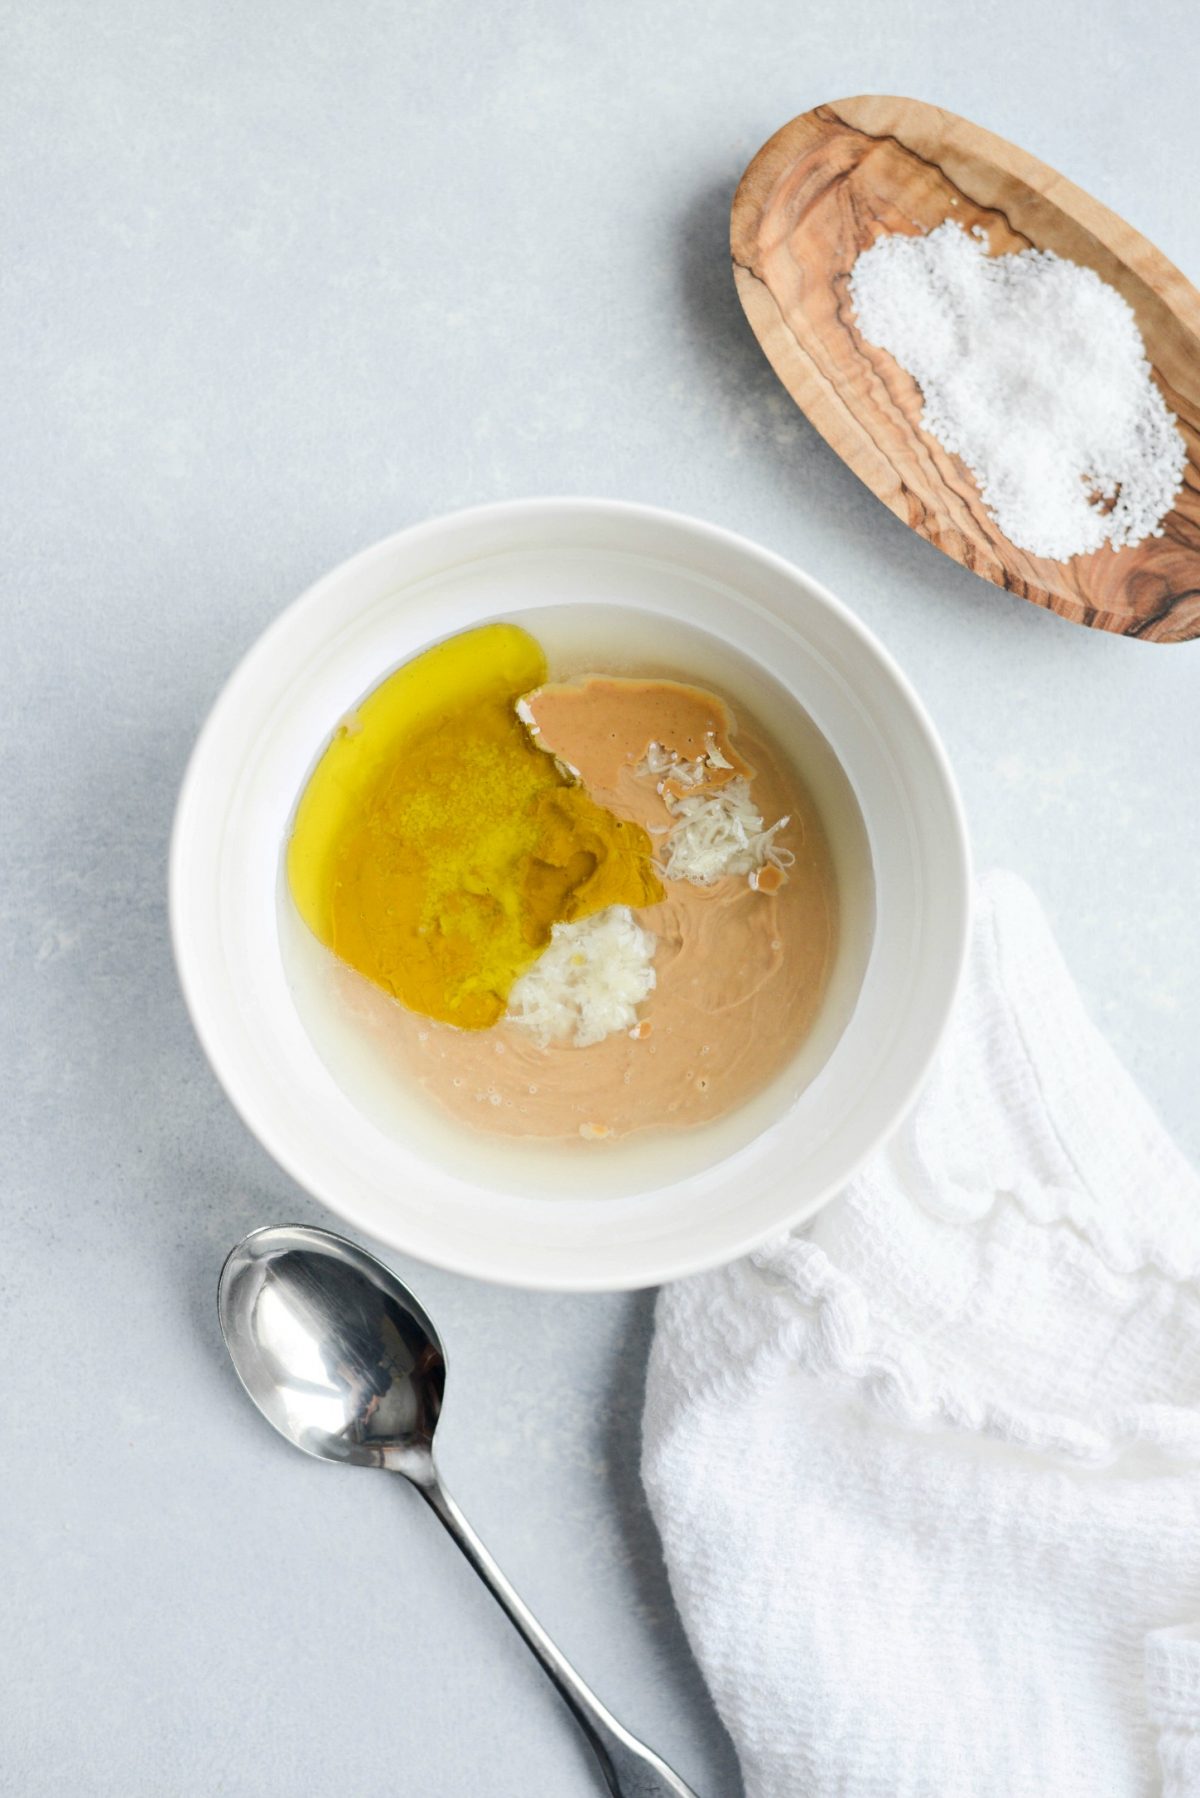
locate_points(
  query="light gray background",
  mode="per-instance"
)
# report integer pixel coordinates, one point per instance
(279, 278)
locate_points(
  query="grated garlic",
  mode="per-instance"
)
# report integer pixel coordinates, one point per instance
(668, 764)
(721, 832)
(588, 982)
(716, 830)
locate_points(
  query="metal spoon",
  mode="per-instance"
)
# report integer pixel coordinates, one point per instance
(338, 1355)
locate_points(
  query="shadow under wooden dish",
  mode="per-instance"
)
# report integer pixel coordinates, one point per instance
(821, 191)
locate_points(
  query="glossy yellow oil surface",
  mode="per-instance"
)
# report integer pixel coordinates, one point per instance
(435, 846)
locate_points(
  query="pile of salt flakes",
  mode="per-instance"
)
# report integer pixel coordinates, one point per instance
(1033, 371)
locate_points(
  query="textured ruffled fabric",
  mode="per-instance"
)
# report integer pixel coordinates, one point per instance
(928, 1471)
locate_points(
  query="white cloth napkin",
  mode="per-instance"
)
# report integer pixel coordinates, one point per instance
(927, 1472)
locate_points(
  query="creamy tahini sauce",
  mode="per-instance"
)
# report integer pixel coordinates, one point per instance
(603, 726)
(740, 974)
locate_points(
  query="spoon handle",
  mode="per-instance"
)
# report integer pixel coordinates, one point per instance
(631, 1770)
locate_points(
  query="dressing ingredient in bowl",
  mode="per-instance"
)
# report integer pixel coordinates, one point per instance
(663, 752)
(435, 847)
(571, 889)
(740, 977)
(590, 981)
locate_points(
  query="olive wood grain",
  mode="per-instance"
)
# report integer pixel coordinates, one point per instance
(822, 190)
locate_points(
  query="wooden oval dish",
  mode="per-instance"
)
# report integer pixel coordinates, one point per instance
(821, 191)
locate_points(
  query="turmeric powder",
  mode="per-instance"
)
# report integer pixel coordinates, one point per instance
(435, 845)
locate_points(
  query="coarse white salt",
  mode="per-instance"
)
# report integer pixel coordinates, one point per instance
(1033, 371)
(589, 980)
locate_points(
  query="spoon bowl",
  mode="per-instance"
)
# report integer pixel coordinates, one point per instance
(341, 1359)
(334, 1351)
(817, 195)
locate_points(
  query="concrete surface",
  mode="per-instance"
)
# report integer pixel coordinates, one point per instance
(279, 279)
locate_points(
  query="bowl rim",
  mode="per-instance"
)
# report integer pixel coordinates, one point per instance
(460, 1257)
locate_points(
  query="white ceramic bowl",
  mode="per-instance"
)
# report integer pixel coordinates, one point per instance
(379, 609)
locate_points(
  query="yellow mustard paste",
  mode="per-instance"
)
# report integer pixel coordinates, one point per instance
(435, 846)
